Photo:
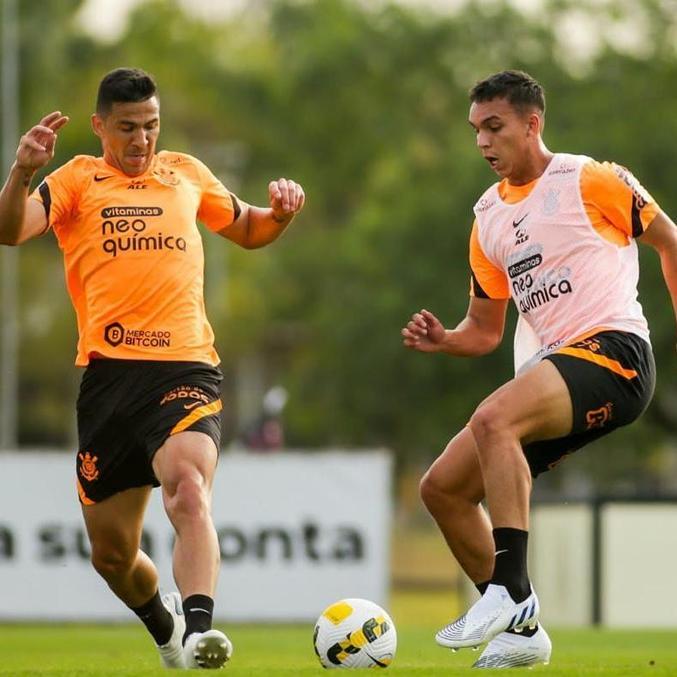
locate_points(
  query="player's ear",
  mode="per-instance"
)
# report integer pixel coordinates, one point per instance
(97, 124)
(535, 123)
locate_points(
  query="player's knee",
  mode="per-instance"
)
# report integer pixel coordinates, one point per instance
(112, 563)
(488, 421)
(428, 490)
(434, 495)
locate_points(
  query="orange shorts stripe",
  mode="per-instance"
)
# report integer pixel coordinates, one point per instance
(83, 496)
(601, 360)
(588, 334)
(196, 415)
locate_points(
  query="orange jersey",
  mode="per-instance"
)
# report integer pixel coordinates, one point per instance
(133, 254)
(563, 248)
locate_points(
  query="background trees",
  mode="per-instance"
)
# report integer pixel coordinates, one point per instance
(366, 105)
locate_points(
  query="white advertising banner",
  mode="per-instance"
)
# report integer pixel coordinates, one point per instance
(297, 531)
(560, 562)
(605, 563)
(638, 565)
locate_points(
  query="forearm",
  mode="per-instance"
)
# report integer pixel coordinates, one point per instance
(469, 340)
(263, 228)
(13, 204)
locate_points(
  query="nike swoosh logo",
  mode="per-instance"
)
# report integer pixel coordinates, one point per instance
(515, 224)
(498, 552)
(376, 661)
(192, 405)
(102, 178)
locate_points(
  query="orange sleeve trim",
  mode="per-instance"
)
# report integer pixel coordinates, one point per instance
(195, 415)
(83, 496)
(486, 280)
(600, 360)
(618, 206)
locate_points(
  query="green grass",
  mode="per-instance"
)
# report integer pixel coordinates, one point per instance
(262, 650)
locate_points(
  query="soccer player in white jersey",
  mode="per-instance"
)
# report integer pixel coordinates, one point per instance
(557, 235)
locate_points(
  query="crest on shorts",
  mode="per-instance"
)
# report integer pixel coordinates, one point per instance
(88, 467)
(597, 418)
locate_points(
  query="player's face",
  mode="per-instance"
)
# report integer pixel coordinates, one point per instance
(129, 134)
(504, 136)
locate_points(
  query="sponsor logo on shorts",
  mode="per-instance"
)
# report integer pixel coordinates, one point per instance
(115, 334)
(191, 395)
(598, 418)
(88, 468)
(126, 229)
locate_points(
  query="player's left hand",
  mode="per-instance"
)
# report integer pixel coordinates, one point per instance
(424, 332)
(286, 199)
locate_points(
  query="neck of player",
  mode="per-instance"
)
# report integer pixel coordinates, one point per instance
(533, 166)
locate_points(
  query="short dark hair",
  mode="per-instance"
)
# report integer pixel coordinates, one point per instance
(124, 85)
(519, 88)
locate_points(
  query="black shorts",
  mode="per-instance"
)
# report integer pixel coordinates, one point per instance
(611, 377)
(128, 408)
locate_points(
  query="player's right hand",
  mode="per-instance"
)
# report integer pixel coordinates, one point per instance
(424, 332)
(36, 146)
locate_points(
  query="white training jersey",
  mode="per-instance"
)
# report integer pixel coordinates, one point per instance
(562, 247)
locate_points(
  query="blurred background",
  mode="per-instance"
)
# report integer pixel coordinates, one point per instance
(365, 104)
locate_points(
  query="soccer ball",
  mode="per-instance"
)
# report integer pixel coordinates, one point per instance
(355, 633)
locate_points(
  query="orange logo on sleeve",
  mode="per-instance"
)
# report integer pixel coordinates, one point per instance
(88, 467)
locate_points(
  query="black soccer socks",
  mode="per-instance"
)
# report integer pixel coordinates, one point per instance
(198, 610)
(510, 564)
(156, 618)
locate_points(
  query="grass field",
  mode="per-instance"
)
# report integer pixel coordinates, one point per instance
(98, 651)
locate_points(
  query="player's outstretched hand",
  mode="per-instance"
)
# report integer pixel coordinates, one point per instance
(286, 199)
(36, 146)
(424, 332)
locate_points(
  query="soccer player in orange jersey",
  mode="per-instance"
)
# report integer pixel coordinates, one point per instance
(557, 235)
(149, 403)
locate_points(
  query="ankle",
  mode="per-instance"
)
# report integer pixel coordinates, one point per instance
(198, 611)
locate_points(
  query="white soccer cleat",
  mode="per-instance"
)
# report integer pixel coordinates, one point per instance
(208, 650)
(492, 614)
(507, 650)
(171, 654)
